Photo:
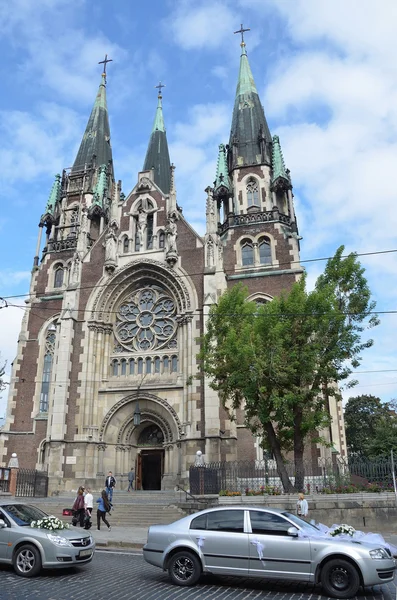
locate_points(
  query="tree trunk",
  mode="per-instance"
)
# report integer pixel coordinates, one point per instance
(275, 448)
(298, 451)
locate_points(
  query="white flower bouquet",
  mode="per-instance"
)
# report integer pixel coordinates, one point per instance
(343, 530)
(51, 523)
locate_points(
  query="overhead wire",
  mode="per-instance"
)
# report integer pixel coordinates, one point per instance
(189, 275)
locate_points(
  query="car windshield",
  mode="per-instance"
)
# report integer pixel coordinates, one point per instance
(23, 514)
(300, 522)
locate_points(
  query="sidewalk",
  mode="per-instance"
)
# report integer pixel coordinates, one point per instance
(119, 537)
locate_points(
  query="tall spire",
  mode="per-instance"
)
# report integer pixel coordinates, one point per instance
(250, 139)
(53, 200)
(222, 181)
(278, 165)
(95, 145)
(157, 155)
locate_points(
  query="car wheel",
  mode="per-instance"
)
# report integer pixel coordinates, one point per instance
(27, 561)
(340, 579)
(184, 568)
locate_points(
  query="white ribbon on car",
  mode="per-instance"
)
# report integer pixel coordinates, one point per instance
(200, 542)
(259, 548)
(325, 532)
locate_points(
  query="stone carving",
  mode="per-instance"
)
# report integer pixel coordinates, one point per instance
(141, 216)
(144, 184)
(144, 396)
(171, 235)
(75, 269)
(111, 249)
(156, 271)
(146, 320)
(210, 253)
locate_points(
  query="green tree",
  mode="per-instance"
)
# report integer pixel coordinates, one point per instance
(282, 360)
(362, 417)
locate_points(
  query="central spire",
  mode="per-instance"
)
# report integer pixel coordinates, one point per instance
(157, 155)
(95, 145)
(250, 139)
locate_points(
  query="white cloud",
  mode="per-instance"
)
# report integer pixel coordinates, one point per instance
(197, 25)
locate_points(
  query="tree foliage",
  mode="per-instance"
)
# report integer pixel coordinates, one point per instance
(371, 426)
(282, 360)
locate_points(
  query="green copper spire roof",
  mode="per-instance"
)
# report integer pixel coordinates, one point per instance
(278, 166)
(157, 155)
(158, 124)
(100, 187)
(54, 198)
(250, 139)
(96, 138)
(245, 83)
(222, 172)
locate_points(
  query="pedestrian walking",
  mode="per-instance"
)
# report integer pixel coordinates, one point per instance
(110, 484)
(78, 508)
(88, 501)
(302, 507)
(103, 508)
(131, 477)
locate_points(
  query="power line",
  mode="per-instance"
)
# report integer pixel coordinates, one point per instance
(231, 315)
(182, 276)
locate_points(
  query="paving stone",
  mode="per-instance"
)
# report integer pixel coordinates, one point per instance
(126, 576)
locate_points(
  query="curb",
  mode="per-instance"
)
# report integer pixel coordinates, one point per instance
(118, 545)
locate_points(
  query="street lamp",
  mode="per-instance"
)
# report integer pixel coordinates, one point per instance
(137, 415)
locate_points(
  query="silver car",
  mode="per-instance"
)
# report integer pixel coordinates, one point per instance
(266, 543)
(29, 549)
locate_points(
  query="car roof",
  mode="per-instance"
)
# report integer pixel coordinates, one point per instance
(242, 507)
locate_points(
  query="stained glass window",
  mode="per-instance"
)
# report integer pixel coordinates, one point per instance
(151, 436)
(147, 321)
(47, 368)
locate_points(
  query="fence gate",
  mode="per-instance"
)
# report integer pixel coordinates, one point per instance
(31, 483)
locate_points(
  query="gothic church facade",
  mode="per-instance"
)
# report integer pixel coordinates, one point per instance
(106, 376)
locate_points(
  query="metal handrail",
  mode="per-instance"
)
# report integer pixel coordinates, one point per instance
(181, 489)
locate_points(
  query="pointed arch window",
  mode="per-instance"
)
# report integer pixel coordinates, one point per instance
(47, 368)
(247, 253)
(252, 192)
(126, 245)
(74, 219)
(161, 239)
(58, 276)
(265, 251)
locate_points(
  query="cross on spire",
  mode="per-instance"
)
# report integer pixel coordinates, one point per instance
(104, 63)
(159, 86)
(242, 30)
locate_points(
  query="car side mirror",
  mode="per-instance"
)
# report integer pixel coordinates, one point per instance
(2, 524)
(292, 531)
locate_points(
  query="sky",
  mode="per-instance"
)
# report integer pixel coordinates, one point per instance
(325, 72)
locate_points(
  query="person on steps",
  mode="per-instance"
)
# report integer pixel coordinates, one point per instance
(103, 508)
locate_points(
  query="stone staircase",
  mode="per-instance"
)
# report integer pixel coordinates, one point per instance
(134, 509)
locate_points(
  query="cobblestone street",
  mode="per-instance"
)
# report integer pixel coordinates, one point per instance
(121, 576)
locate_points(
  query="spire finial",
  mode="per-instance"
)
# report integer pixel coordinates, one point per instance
(159, 86)
(242, 31)
(104, 63)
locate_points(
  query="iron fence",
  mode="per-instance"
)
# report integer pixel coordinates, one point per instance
(31, 483)
(322, 476)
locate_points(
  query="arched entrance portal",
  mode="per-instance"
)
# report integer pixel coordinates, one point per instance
(149, 465)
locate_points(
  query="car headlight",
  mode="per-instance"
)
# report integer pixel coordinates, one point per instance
(379, 553)
(58, 540)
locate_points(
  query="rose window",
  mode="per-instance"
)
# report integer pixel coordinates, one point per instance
(147, 321)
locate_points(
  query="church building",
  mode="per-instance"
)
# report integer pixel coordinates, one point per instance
(106, 375)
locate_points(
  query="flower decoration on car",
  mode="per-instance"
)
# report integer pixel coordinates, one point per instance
(147, 321)
(343, 530)
(51, 523)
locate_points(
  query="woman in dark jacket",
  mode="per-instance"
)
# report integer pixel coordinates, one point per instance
(103, 508)
(78, 507)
